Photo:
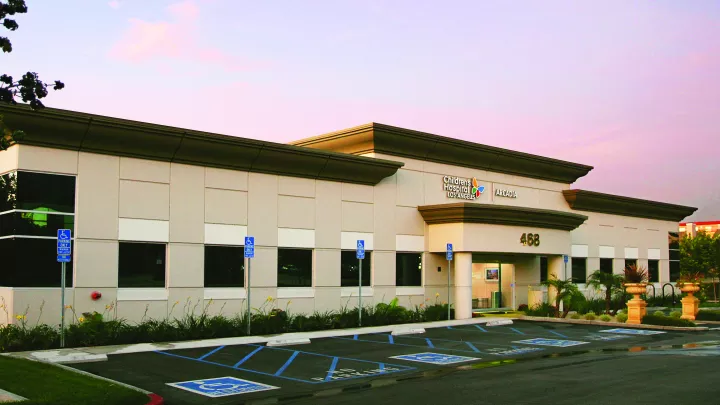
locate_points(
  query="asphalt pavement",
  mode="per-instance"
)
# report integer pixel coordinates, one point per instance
(522, 363)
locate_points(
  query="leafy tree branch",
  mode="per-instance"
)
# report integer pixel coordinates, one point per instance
(29, 88)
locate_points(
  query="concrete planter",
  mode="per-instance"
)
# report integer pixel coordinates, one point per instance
(690, 303)
(636, 306)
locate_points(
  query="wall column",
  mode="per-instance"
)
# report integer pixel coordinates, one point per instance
(463, 286)
(556, 268)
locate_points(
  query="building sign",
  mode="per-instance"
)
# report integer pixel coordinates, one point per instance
(505, 193)
(462, 188)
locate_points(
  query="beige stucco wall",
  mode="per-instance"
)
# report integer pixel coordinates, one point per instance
(186, 206)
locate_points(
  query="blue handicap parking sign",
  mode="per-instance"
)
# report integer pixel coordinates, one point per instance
(565, 258)
(360, 249)
(449, 252)
(222, 386)
(632, 331)
(64, 249)
(250, 247)
(550, 342)
(435, 358)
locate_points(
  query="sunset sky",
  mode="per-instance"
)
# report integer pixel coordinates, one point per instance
(629, 87)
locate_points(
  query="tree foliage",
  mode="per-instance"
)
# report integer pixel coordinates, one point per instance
(566, 292)
(701, 255)
(609, 282)
(29, 88)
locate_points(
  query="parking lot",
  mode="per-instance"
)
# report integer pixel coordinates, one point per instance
(246, 373)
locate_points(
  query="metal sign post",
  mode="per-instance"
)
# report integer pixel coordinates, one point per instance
(360, 254)
(64, 255)
(449, 257)
(249, 254)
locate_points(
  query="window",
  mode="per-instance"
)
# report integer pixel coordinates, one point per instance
(224, 266)
(579, 270)
(674, 252)
(349, 269)
(141, 265)
(294, 267)
(33, 207)
(654, 271)
(630, 262)
(408, 269)
(30, 262)
(606, 266)
(543, 269)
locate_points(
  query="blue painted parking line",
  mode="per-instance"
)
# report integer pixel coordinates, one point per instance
(481, 328)
(333, 374)
(246, 358)
(551, 342)
(517, 331)
(429, 342)
(472, 346)
(391, 339)
(331, 370)
(557, 333)
(288, 363)
(211, 352)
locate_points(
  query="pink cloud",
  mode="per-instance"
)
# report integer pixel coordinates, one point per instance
(115, 4)
(155, 41)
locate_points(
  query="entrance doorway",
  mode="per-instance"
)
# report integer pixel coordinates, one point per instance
(493, 285)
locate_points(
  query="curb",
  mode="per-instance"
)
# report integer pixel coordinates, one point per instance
(255, 339)
(618, 324)
(155, 399)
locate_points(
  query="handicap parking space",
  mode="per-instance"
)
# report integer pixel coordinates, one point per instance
(232, 373)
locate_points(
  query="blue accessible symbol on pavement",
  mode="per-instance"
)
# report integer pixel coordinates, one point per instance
(222, 386)
(550, 342)
(435, 358)
(632, 331)
(250, 247)
(360, 253)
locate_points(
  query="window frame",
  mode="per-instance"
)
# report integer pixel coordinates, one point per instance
(422, 268)
(369, 265)
(205, 265)
(312, 267)
(166, 249)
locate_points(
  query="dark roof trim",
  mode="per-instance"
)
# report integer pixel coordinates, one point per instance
(62, 129)
(584, 200)
(500, 215)
(386, 139)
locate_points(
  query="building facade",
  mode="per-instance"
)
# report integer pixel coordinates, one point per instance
(159, 216)
(692, 228)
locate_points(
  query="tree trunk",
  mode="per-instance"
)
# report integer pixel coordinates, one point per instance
(608, 299)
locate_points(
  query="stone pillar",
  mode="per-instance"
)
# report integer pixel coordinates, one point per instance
(463, 286)
(556, 268)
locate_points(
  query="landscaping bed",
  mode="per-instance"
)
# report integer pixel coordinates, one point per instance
(43, 383)
(195, 323)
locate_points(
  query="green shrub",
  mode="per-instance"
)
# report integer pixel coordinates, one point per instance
(542, 309)
(605, 318)
(665, 321)
(658, 313)
(575, 316)
(622, 317)
(675, 314)
(706, 315)
(590, 316)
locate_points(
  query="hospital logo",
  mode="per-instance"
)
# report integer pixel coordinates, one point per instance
(462, 188)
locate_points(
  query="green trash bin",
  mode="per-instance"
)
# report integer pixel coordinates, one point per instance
(495, 299)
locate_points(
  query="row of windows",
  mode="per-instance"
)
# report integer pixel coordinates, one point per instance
(579, 268)
(32, 262)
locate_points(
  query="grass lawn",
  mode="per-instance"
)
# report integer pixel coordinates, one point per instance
(44, 383)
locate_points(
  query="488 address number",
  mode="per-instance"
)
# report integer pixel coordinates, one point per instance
(530, 239)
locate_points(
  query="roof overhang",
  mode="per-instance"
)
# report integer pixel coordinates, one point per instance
(62, 129)
(500, 215)
(386, 139)
(592, 201)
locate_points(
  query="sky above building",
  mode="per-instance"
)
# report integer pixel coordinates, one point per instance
(631, 88)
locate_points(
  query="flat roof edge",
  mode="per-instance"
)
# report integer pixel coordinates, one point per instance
(584, 200)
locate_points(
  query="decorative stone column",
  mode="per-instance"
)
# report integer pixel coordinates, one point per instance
(463, 286)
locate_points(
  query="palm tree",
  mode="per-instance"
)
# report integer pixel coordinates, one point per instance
(611, 282)
(567, 292)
